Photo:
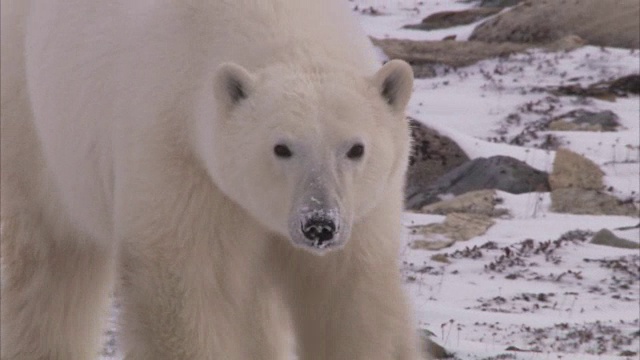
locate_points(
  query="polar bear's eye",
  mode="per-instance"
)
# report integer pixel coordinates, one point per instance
(282, 151)
(356, 152)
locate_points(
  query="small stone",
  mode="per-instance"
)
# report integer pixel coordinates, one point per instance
(499, 3)
(608, 91)
(432, 349)
(423, 71)
(606, 238)
(607, 120)
(456, 227)
(442, 258)
(432, 244)
(561, 125)
(626, 84)
(481, 202)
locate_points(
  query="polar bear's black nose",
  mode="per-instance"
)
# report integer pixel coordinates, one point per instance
(319, 229)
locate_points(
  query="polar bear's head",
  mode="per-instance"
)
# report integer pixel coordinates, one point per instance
(307, 152)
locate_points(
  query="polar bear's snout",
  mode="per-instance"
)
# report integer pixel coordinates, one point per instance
(319, 229)
(319, 219)
(318, 225)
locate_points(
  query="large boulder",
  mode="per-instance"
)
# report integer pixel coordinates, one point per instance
(589, 202)
(432, 155)
(447, 19)
(571, 170)
(424, 55)
(497, 172)
(612, 23)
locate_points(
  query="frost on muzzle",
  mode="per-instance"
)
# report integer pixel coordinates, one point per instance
(317, 221)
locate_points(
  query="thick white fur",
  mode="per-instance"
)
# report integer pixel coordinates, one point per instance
(122, 158)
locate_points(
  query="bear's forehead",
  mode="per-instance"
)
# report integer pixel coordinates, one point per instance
(311, 77)
(323, 96)
(315, 91)
(324, 105)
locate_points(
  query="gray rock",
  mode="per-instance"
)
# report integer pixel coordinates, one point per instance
(584, 120)
(432, 155)
(611, 23)
(626, 84)
(497, 172)
(447, 19)
(607, 238)
(432, 349)
(603, 90)
(625, 228)
(499, 3)
(423, 55)
(423, 71)
(589, 202)
(606, 119)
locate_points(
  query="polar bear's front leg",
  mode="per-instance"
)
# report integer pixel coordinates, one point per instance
(347, 306)
(183, 305)
(54, 291)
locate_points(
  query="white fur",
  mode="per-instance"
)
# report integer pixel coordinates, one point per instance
(123, 152)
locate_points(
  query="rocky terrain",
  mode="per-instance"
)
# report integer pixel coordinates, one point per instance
(523, 235)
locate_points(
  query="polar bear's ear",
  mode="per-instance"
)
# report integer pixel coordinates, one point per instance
(232, 84)
(394, 82)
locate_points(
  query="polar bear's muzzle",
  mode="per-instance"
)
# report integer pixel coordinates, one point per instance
(318, 230)
(319, 227)
(316, 222)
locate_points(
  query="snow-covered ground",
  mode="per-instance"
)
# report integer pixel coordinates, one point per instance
(511, 288)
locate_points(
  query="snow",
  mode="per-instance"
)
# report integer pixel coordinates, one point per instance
(396, 14)
(454, 291)
(581, 299)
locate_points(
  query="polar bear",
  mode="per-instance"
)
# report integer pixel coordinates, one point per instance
(237, 166)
